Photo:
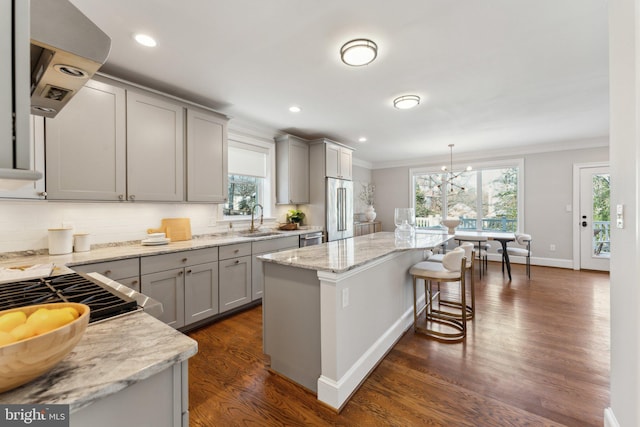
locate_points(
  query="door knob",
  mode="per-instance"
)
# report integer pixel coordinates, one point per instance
(584, 223)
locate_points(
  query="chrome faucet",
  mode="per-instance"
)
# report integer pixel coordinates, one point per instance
(253, 210)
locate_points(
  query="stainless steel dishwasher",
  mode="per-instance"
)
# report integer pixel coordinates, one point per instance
(311, 239)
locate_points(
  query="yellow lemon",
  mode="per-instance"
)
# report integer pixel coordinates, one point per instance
(9, 321)
(22, 332)
(73, 311)
(44, 320)
(6, 338)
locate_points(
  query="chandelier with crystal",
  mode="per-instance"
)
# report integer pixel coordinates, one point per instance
(451, 175)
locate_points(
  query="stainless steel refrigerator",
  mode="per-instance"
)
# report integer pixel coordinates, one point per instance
(339, 209)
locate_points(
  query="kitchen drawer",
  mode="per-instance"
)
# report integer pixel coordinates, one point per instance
(115, 270)
(234, 251)
(131, 282)
(151, 264)
(273, 245)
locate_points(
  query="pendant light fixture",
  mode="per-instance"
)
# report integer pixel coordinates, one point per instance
(406, 102)
(358, 52)
(450, 175)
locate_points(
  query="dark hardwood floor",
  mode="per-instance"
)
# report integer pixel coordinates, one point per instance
(537, 354)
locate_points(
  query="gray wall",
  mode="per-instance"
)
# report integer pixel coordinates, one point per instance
(361, 175)
(548, 181)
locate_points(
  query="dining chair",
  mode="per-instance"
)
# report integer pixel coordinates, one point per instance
(451, 327)
(523, 240)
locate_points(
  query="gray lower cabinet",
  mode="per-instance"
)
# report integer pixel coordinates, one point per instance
(186, 283)
(200, 292)
(168, 288)
(235, 276)
(264, 247)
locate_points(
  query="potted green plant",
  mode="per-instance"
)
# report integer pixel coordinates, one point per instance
(295, 216)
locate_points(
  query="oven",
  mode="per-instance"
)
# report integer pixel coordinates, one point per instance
(310, 239)
(103, 299)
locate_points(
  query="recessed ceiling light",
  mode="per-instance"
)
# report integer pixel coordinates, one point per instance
(362, 139)
(145, 40)
(358, 52)
(295, 109)
(406, 101)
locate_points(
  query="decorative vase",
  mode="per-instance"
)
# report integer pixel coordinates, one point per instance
(370, 213)
(451, 224)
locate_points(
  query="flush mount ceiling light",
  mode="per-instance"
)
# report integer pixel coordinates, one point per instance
(145, 40)
(406, 101)
(358, 52)
(362, 139)
(295, 109)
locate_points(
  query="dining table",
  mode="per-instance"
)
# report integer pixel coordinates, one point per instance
(478, 237)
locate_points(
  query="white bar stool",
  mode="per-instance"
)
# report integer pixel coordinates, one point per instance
(452, 269)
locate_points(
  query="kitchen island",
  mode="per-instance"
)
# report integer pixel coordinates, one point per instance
(129, 370)
(332, 312)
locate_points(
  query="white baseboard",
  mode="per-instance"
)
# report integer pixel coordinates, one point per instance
(544, 262)
(610, 419)
(337, 393)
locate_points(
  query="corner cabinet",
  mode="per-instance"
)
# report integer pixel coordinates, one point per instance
(86, 146)
(155, 149)
(206, 157)
(292, 170)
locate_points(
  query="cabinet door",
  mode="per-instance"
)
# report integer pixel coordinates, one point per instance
(155, 149)
(168, 288)
(332, 153)
(235, 282)
(345, 163)
(206, 157)
(298, 173)
(86, 146)
(200, 292)
(34, 190)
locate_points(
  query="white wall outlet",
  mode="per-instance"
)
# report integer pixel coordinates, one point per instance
(345, 297)
(552, 247)
(568, 208)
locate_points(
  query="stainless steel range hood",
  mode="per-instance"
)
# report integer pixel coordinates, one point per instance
(66, 50)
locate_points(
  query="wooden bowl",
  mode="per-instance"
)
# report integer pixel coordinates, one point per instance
(23, 361)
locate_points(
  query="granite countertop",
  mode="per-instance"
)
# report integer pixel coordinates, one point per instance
(344, 255)
(100, 365)
(112, 253)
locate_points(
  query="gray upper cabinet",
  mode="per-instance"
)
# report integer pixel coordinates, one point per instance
(155, 148)
(206, 157)
(86, 146)
(34, 190)
(339, 161)
(292, 170)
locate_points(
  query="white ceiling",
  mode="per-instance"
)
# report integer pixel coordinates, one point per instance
(491, 73)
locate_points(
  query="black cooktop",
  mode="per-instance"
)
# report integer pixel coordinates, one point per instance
(103, 301)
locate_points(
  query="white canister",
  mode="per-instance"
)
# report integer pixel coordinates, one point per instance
(60, 241)
(81, 242)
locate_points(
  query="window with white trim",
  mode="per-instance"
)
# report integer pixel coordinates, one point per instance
(249, 168)
(486, 198)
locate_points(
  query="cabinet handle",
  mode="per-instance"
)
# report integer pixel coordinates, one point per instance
(121, 196)
(184, 259)
(237, 261)
(188, 271)
(180, 273)
(132, 197)
(108, 272)
(42, 194)
(236, 251)
(135, 282)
